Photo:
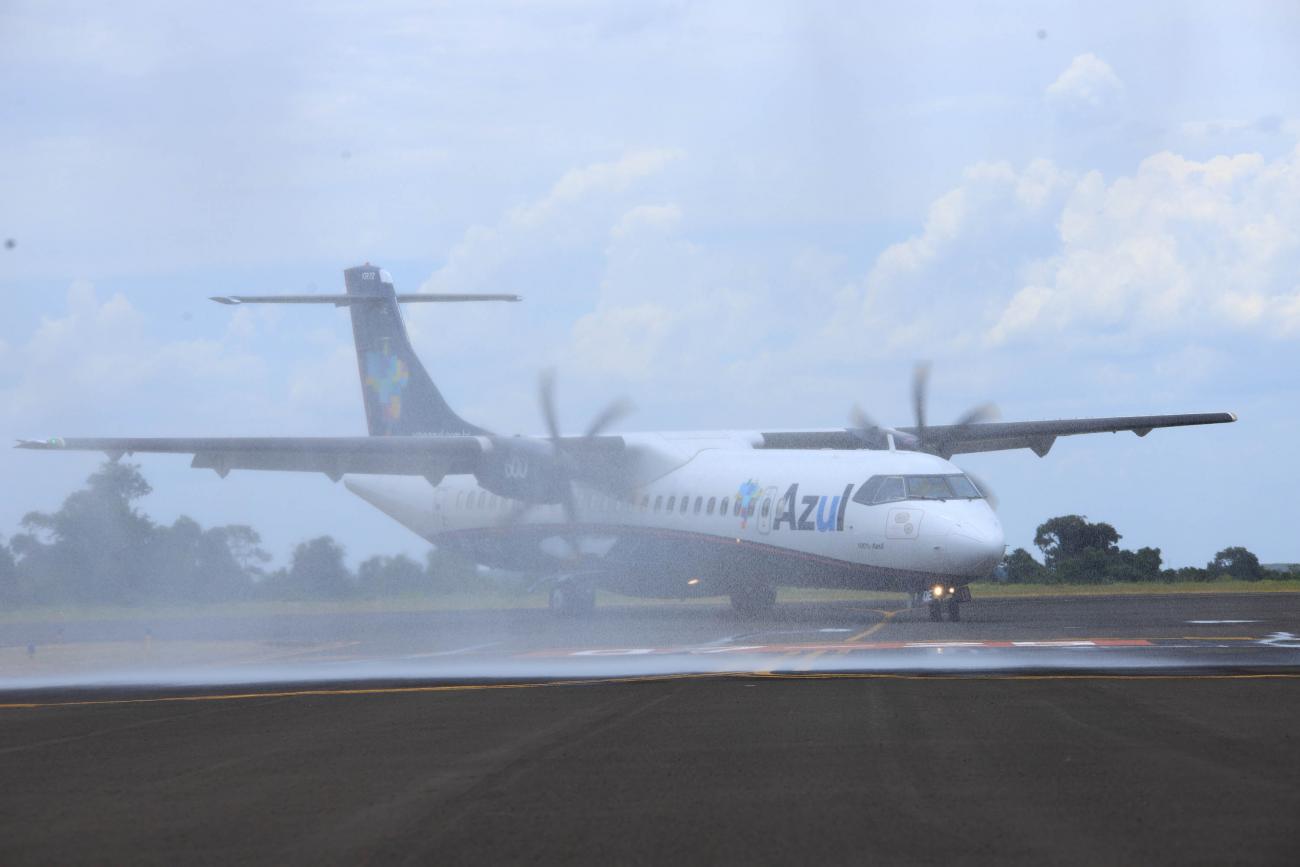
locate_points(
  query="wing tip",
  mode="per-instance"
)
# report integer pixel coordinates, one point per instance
(45, 444)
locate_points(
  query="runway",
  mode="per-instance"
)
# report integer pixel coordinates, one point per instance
(1010, 634)
(931, 742)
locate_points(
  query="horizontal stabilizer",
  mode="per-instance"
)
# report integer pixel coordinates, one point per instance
(349, 300)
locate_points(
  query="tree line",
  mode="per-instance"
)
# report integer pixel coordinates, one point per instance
(98, 547)
(1078, 551)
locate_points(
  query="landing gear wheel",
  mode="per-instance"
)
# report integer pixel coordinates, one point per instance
(954, 610)
(571, 600)
(936, 611)
(753, 601)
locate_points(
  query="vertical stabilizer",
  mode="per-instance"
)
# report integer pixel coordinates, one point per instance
(400, 398)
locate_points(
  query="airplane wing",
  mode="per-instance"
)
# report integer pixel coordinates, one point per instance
(949, 440)
(432, 456)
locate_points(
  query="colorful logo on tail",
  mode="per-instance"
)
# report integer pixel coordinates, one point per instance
(387, 376)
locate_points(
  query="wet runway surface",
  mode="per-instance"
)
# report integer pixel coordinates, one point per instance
(1091, 731)
(1081, 632)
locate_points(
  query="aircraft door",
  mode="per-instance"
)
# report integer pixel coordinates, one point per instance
(766, 505)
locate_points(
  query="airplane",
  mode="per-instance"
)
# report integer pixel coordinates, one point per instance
(674, 514)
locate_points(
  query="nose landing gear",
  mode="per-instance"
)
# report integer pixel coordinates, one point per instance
(942, 596)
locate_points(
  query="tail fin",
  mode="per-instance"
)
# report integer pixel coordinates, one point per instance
(400, 398)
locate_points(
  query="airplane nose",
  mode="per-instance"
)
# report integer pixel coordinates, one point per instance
(975, 549)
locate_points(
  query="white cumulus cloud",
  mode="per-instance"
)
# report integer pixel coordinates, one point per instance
(1088, 81)
(1180, 244)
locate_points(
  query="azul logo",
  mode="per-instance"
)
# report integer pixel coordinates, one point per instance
(812, 512)
(516, 468)
(387, 375)
(746, 496)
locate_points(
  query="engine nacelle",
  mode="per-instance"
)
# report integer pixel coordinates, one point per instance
(523, 469)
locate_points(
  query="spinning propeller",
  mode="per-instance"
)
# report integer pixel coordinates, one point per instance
(923, 438)
(569, 462)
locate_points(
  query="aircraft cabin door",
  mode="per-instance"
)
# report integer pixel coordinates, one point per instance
(765, 507)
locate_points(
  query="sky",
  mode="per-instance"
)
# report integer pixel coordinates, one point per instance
(735, 214)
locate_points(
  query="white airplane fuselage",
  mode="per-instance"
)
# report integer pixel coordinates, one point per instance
(719, 517)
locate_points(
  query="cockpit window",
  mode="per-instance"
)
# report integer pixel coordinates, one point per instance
(891, 488)
(928, 488)
(886, 489)
(964, 488)
(879, 489)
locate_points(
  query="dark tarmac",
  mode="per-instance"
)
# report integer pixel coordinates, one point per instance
(690, 735)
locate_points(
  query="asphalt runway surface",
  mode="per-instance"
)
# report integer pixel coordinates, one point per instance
(1116, 730)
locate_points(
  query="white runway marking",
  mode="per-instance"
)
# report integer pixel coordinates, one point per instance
(1214, 622)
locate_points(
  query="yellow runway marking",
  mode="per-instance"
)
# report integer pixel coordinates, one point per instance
(654, 678)
(1218, 638)
(377, 690)
(885, 616)
(871, 675)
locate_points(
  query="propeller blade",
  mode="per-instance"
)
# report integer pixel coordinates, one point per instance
(612, 413)
(920, 386)
(546, 396)
(979, 414)
(570, 503)
(862, 421)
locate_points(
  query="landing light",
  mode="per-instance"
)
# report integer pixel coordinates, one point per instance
(937, 590)
(693, 582)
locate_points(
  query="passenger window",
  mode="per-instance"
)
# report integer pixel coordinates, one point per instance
(659, 502)
(767, 507)
(645, 502)
(699, 504)
(736, 510)
(686, 502)
(726, 503)
(713, 502)
(672, 502)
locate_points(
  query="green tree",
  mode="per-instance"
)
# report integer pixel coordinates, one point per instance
(1069, 536)
(392, 576)
(316, 571)
(9, 593)
(190, 564)
(1089, 566)
(1022, 568)
(1236, 563)
(1140, 565)
(90, 550)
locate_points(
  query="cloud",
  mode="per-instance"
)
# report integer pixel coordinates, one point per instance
(1043, 255)
(100, 360)
(571, 210)
(1087, 82)
(1181, 244)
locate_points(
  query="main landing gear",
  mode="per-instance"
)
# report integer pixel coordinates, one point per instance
(572, 600)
